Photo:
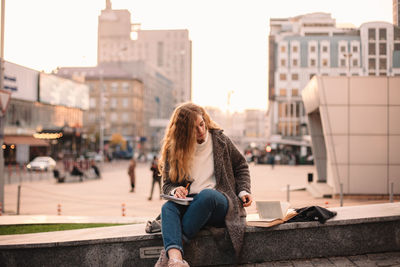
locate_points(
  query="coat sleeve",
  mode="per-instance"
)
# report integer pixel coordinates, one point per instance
(240, 169)
(168, 186)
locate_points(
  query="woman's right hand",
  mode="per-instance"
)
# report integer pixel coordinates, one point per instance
(181, 192)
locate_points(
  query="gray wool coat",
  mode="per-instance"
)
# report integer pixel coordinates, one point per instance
(232, 176)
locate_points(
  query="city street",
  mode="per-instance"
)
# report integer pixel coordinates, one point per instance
(105, 197)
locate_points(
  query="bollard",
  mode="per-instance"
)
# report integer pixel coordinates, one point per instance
(59, 209)
(18, 198)
(288, 193)
(391, 192)
(123, 209)
(9, 173)
(326, 204)
(341, 195)
(1, 208)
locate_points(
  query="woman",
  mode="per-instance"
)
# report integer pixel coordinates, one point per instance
(200, 161)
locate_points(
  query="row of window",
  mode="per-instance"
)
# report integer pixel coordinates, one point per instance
(324, 62)
(372, 49)
(372, 34)
(114, 117)
(324, 48)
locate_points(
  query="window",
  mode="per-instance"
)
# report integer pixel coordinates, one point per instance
(282, 92)
(125, 102)
(355, 49)
(371, 34)
(295, 76)
(283, 49)
(113, 103)
(325, 62)
(283, 62)
(397, 46)
(92, 102)
(113, 116)
(125, 87)
(371, 73)
(382, 34)
(382, 49)
(325, 49)
(312, 62)
(295, 92)
(282, 77)
(125, 117)
(282, 109)
(343, 63)
(371, 49)
(382, 63)
(342, 48)
(114, 87)
(382, 73)
(295, 63)
(312, 49)
(355, 62)
(342, 74)
(295, 49)
(371, 63)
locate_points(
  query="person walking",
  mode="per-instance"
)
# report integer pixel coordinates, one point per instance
(156, 176)
(131, 173)
(198, 160)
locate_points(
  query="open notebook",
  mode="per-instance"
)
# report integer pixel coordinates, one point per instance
(270, 213)
(181, 201)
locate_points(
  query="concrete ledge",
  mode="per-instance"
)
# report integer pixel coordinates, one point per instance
(355, 230)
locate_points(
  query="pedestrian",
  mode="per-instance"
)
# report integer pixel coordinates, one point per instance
(156, 176)
(200, 161)
(131, 173)
(95, 168)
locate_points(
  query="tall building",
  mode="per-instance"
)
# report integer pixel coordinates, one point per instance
(170, 50)
(396, 12)
(312, 44)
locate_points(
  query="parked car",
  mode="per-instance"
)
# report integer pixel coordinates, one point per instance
(41, 164)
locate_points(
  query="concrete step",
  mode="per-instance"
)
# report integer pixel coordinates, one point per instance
(355, 230)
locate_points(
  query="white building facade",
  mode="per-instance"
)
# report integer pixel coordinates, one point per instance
(312, 44)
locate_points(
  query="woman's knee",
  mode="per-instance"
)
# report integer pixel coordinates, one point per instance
(210, 196)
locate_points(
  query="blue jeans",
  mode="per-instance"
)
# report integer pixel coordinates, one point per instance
(179, 222)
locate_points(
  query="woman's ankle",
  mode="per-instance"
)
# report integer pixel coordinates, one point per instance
(174, 253)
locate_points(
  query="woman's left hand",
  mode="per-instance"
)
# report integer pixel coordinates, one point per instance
(247, 200)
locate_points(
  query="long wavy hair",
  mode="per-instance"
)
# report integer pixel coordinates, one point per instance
(180, 141)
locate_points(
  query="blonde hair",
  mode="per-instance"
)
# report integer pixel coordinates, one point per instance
(179, 142)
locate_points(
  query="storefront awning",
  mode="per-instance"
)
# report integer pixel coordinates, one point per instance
(24, 140)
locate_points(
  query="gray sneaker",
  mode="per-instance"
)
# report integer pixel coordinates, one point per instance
(162, 260)
(177, 263)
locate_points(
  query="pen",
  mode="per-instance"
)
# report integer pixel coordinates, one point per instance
(187, 186)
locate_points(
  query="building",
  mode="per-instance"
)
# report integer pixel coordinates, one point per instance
(134, 96)
(168, 50)
(312, 44)
(355, 130)
(44, 116)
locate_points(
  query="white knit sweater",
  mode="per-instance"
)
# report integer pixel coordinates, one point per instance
(202, 169)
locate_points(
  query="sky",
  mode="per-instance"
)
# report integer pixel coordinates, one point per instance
(229, 37)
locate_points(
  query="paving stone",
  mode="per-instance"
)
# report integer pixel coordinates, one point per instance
(283, 264)
(341, 261)
(302, 263)
(323, 262)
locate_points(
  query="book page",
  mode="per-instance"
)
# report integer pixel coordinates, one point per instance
(181, 201)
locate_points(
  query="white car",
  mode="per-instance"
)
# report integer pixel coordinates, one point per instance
(41, 164)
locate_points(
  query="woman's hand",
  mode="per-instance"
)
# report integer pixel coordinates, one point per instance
(247, 200)
(181, 192)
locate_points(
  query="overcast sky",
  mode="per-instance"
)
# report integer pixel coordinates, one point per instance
(229, 36)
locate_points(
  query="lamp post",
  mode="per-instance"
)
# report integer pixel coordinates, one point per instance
(102, 116)
(4, 99)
